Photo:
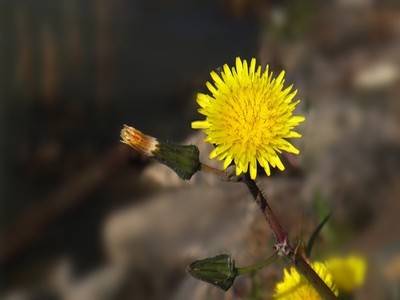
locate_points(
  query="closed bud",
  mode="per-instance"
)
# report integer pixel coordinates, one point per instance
(219, 270)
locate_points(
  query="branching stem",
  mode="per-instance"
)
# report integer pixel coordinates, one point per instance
(283, 246)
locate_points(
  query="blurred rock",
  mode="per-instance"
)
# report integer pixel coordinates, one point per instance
(178, 226)
(346, 146)
(380, 75)
(351, 153)
(103, 284)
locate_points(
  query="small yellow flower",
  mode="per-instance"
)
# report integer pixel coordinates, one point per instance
(296, 287)
(348, 273)
(249, 117)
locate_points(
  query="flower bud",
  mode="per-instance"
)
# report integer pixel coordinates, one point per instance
(219, 270)
(183, 159)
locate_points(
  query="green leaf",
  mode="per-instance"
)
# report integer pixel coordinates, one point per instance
(315, 234)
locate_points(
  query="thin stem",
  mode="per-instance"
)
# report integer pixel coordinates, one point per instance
(283, 246)
(212, 170)
(280, 233)
(223, 175)
(258, 266)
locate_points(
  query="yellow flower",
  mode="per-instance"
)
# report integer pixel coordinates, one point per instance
(249, 117)
(296, 287)
(348, 273)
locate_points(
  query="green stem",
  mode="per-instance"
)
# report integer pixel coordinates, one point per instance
(223, 175)
(258, 266)
(212, 170)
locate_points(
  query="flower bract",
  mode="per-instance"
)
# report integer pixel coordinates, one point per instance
(249, 117)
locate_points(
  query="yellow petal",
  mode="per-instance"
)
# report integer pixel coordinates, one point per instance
(200, 124)
(253, 170)
(214, 153)
(227, 162)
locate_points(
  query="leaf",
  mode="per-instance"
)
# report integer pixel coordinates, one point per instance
(315, 234)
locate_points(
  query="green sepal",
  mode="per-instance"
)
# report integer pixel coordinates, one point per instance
(219, 270)
(183, 159)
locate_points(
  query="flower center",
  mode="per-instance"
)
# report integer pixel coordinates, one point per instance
(249, 119)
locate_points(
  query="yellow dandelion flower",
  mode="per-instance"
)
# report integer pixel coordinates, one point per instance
(249, 117)
(348, 273)
(296, 287)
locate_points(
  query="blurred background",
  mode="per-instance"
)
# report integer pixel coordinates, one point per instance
(85, 217)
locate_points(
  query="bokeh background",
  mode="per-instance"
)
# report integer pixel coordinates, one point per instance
(85, 217)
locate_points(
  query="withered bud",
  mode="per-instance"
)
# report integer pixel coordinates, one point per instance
(183, 159)
(142, 143)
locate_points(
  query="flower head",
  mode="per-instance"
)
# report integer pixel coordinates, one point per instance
(348, 273)
(296, 287)
(249, 117)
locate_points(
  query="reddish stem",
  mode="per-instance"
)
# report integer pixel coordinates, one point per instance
(280, 233)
